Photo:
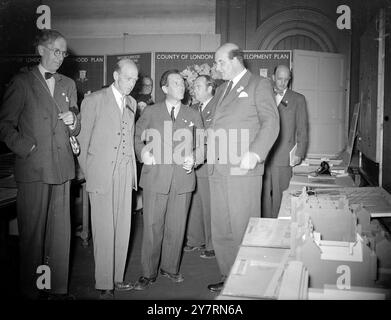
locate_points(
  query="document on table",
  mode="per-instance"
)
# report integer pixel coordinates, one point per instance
(264, 232)
(292, 154)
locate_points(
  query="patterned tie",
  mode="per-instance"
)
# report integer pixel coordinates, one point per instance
(48, 75)
(172, 114)
(227, 90)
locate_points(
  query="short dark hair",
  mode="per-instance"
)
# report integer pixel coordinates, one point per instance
(46, 36)
(210, 82)
(164, 77)
(238, 53)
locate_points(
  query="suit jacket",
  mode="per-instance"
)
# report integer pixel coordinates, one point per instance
(100, 137)
(29, 116)
(207, 118)
(250, 106)
(293, 129)
(156, 121)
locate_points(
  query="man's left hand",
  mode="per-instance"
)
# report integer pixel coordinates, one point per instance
(188, 164)
(249, 161)
(296, 160)
(67, 117)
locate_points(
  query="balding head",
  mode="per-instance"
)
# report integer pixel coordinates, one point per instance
(125, 75)
(281, 77)
(229, 60)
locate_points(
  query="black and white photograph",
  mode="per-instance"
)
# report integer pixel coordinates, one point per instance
(201, 157)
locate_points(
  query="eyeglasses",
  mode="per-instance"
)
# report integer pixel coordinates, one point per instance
(58, 53)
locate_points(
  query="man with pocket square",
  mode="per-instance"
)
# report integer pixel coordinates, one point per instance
(36, 123)
(246, 114)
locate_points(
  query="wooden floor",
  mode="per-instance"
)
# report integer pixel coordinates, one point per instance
(198, 273)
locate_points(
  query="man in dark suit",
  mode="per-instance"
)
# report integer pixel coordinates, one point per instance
(35, 123)
(109, 164)
(245, 122)
(167, 178)
(199, 226)
(292, 108)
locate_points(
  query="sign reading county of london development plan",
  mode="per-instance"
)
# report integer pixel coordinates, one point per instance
(257, 61)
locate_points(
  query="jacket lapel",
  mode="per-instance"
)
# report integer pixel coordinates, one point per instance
(234, 93)
(114, 112)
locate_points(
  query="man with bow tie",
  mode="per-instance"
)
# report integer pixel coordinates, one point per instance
(36, 123)
(199, 234)
(108, 162)
(292, 108)
(244, 128)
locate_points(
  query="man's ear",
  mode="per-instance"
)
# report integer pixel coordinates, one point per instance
(164, 88)
(210, 89)
(273, 77)
(115, 75)
(40, 50)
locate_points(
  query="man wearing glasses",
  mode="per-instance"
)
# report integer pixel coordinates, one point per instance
(35, 124)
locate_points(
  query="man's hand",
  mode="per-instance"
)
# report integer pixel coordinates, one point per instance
(148, 158)
(67, 117)
(249, 161)
(188, 164)
(296, 160)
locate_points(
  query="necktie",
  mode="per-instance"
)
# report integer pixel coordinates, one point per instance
(201, 107)
(123, 104)
(48, 75)
(172, 114)
(227, 90)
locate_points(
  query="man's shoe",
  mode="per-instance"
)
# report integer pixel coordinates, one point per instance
(216, 287)
(192, 248)
(143, 282)
(123, 286)
(106, 295)
(207, 254)
(174, 277)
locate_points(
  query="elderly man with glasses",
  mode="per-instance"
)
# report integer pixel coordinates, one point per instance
(36, 124)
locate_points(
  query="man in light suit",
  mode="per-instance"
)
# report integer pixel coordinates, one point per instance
(199, 226)
(292, 108)
(245, 121)
(35, 124)
(108, 161)
(167, 179)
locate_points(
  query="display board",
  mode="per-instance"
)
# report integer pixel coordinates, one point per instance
(86, 71)
(142, 60)
(192, 63)
(11, 65)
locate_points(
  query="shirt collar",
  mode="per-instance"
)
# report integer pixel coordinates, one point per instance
(203, 104)
(170, 105)
(118, 95)
(238, 77)
(43, 70)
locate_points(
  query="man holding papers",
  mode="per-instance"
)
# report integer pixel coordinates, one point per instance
(290, 146)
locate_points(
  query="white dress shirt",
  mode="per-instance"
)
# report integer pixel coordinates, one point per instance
(279, 97)
(177, 108)
(51, 82)
(238, 77)
(119, 98)
(204, 104)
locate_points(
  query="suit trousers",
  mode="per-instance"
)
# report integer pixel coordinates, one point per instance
(164, 218)
(111, 221)
(276, 180)
(43, 213)
(234, 199)
(199, 223)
